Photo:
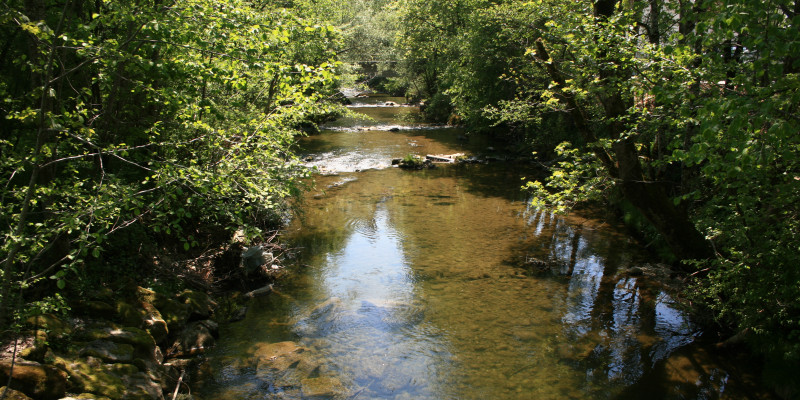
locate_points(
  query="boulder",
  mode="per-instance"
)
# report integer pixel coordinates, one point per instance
(109, 351)
(201, 305)
(11, 394)
(91, 376)
(56, 327)
(154, 323)
(144, 345)
(254, 257)
(146, 355)
(34, 379)
(38, 349)
(140, 386)
(130, 315)
(173, 312)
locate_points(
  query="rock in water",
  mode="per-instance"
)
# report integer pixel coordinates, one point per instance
(322, 387)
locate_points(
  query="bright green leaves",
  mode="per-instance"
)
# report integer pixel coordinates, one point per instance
(576, 178)
(172, 117)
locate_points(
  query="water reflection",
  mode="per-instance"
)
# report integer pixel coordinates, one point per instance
(445, 284)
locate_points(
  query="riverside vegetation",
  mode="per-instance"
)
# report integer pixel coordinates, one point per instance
(135, 133)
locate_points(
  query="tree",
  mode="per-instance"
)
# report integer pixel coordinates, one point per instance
(685, 110)
(163, 115)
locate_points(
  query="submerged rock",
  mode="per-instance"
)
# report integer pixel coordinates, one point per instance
(285, 364)
(322, 387)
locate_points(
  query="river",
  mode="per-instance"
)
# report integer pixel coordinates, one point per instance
(445, 284)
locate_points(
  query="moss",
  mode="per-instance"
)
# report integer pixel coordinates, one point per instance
(12, 394)
(91, 377)
(34, 379)
(200, 304)
(49, 322)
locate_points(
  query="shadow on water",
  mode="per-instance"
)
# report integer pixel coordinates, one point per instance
(445, 284)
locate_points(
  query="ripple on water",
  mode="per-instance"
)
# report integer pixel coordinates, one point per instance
(353, 161)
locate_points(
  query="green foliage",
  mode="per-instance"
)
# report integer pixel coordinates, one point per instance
(367, 29)
(713, 110)
(688, 110)
(577, 177)
(119, 113)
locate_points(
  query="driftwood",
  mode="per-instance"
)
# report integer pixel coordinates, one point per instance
(178, 386)
(258, 292)
(444, 158)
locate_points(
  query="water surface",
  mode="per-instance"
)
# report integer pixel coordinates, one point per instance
(445, 284)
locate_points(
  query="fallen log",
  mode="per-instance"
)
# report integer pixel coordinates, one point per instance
(444, 158)
(259, 292)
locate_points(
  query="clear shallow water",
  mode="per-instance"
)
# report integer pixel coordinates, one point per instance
(444, 284)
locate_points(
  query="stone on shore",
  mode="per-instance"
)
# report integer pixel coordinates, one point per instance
(35, 380)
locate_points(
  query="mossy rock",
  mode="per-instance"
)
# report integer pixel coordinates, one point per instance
(12, 394)
(36, 380)
(56, 327)
(86, 396)
(109, 351)
(129, 315)
(174, 313)
(154, 323)
(91, 376)
(140, 386)
(171, 311)
(200, 305)
(195, 339)
(141, 340)
(38, 350)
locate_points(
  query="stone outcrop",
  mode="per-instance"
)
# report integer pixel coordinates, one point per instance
(12, 394)
(39, 381)
(115, 350)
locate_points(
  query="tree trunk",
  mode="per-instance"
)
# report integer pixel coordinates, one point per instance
(650, 198)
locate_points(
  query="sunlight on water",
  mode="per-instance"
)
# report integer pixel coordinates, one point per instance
(445, 284)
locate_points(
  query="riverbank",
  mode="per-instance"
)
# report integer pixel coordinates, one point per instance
(136, 342)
